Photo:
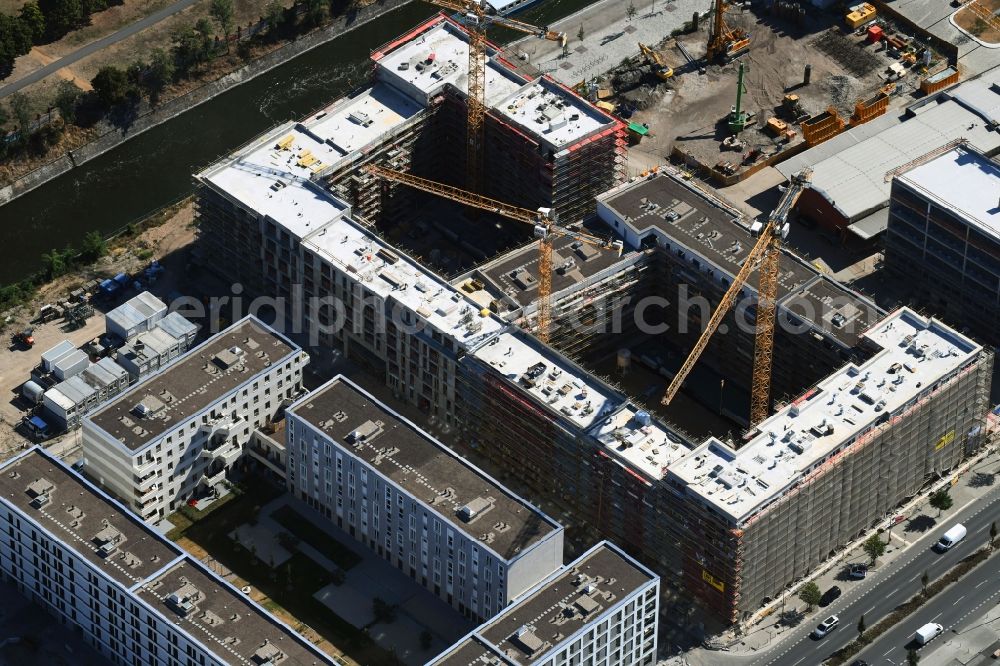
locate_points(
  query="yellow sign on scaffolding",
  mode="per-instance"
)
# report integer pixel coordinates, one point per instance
(713, 581)
(945, 440)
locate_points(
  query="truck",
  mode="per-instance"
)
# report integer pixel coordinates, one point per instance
(954, 534)
(927, 633)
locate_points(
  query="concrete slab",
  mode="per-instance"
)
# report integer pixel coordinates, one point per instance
(263, 542)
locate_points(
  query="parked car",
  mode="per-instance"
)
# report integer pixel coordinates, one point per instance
(826, 626)
(858, 571)
(829, 596)
(859, 662)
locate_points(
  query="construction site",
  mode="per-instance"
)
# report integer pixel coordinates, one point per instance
(604, 344)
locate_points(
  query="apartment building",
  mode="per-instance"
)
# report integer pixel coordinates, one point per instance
(601, 609)
(136, 597)
(177, 434)
(943, 238)
(406, 496)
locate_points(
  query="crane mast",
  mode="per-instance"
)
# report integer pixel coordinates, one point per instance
(767, 251)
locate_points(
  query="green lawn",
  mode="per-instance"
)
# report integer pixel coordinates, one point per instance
(289, 586)
(302, 528)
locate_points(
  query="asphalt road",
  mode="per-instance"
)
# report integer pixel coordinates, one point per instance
(93, 47)
(896, 583)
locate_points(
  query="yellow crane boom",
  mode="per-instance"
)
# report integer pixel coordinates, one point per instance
(767, 251)
(477, 20)
(543, 220)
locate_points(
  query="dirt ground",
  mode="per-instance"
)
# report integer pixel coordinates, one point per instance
(169, 243)
(971, 22)
(774, 67)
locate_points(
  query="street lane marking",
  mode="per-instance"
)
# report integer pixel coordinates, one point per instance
(957, 600)
(981, 584)
(937, 616)
(873, 608)
(888, 651)
(799, 661)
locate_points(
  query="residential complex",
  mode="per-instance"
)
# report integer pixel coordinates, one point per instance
(409, 498)
(944, 237)
(177, 434)
(601, 609)
(136, 597)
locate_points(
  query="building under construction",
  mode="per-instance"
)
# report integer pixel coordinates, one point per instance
(896, 398)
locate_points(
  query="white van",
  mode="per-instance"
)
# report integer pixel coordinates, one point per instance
(954, 534)
(927, 633)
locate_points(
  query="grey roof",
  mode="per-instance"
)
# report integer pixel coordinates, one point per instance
(849, 170)
(136, 310)
(177, 326)
(237, 631)
(69, 361)
(424, 467)
(104, 373)
(55, 353)
(872, 225)
(193, 382)
(75, 389)
(75, 513)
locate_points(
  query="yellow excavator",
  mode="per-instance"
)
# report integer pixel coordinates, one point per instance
(660, 67)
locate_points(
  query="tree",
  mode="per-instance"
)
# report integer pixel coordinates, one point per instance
(993, 534)
(874, 547)
(941, 500)
(54, 263)
(112, 86)
(810, 594)
(630, 11)
(861, 627)
(383, 611)
(222, 13)
(316, 11)
(93, 247)
(66, 100)
(159, 74)
(33, 20)
(275, 17)
(924, 580)
(912, 657)
(61, 16)
(21, 107)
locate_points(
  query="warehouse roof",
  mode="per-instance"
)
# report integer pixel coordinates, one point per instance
(199, 378)
(82, 518)
(396, 277)
(553, 380)
(915, 353)
(849, 170)
(424, 467)
(963, 181)
(224, 620)
(271, 176)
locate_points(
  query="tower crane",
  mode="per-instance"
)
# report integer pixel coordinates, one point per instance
(476, 19)
(725, 42)
(767, 251)
(543, 220)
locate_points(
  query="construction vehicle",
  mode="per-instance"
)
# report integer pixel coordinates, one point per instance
(656, 61)
(543, 220)
(724, 42)
(24, 339)
(737, 116)
(476, 20)
(766, 252)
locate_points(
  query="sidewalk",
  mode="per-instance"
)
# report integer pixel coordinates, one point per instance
(972, 482)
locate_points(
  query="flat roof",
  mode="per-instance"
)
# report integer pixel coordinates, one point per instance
(136, 310)
(389, 273)
(915, 352)
(965, 182)
(223, 620)
(515, 274)
(425, 468)
(690, 218)
(272, 176)
(551, 113)
(439, 54)
(834, 308)
(76, 514)
(352, 123)
(563, 604)
(551, 379)
(191, 383)
(645, 443)
(470, 651)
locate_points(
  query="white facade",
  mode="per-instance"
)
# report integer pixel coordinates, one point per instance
(600, 610)
(112, 577)
(177, 434)
(406, 496)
